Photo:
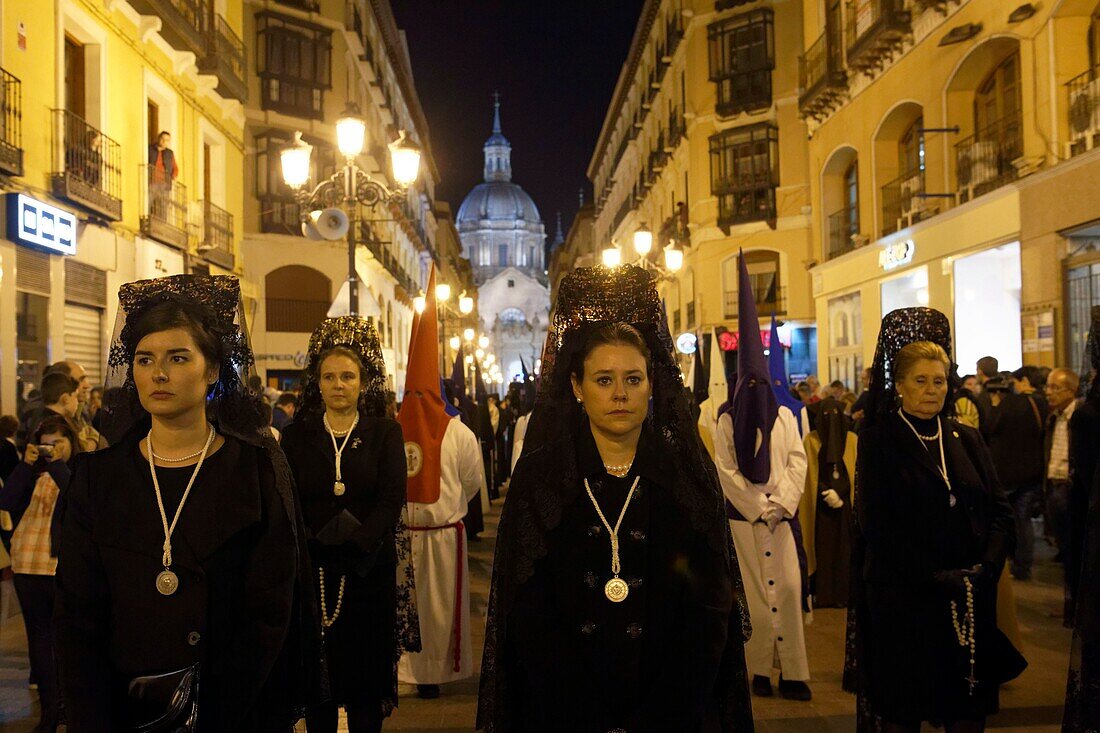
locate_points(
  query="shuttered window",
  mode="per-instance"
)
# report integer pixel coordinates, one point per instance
(84, 339)
(32, 271)
(85, 284)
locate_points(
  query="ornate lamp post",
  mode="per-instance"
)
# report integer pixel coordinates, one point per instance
(349, 186)
(612, 256)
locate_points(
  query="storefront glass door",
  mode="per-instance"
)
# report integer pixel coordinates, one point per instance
(987, 308)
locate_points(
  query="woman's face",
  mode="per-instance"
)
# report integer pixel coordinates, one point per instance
(615, 389)
(924, 389)
(171, 373)
(339, 380)
(62, 448)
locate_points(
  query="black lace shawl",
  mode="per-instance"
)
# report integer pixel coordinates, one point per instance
(546, 478)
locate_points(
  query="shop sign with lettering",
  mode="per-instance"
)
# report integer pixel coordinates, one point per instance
(896, 254)
(35, 223)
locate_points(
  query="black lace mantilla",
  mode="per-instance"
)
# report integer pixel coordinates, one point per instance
(361, 337)
(546, 477)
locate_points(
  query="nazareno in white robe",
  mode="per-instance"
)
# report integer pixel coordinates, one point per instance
(437, 559)
(769, 561)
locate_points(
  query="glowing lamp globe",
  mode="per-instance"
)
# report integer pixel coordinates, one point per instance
(405, 160)
(351, 131)
(295, 159)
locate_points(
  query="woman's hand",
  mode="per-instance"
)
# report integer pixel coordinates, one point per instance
(30, 454)
(832, 499)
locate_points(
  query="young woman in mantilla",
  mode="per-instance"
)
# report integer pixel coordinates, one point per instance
(616, 601)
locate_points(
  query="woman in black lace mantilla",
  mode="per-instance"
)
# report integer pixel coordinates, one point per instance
(586, 634)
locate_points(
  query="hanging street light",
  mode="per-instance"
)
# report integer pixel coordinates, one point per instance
(611, 256)
(465, 304)
(351, 131)
(643, 241)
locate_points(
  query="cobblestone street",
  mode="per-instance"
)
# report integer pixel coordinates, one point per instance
(1032, 703)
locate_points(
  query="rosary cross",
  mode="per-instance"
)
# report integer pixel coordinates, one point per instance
(970, 680)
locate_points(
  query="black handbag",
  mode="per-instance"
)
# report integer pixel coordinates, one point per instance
(164, 703)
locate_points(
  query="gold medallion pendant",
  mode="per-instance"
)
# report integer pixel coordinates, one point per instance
(616, 590)
(167, 583)
(338, 488)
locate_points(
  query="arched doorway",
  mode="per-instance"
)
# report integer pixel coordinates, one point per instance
(296, 298)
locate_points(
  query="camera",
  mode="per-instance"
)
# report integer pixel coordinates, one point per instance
(46, 450)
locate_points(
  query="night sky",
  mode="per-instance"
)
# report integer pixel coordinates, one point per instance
(555, 64)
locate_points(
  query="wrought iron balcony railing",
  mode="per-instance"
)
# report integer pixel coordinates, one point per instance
(983, 161)
(875, 29)
(677, 129)
(843, 228)
(226, 59)
(87, 166)
(769, 298)
(184, 23)
(11, 124)
(163, 207)
(1084, 110)
(217, 235)
(280, 214)
(821, 75)
(905, 202)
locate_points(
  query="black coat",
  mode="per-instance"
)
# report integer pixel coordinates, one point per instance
(574, 661)
(910, 661)
(1014, 431)
(361, 646)
(235, 554)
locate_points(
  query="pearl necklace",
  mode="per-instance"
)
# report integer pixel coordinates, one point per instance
(618, 471)
(162, 459)
(942, 466)
(964, 629)
(327, 622)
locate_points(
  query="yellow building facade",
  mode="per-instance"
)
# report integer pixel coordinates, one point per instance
(953, 163)
(704, 146)
(313, 58)
(87, 87)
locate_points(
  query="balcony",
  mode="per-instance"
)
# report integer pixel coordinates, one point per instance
(876, 28)
(674, 33)
(770, 298)
(677, 130)
(843, 229)
(217, 235)
(226, 59)
(164, 207)
(983, 161)
(87, 166)
(11, 125)
(821, 77)
(1084, 111)
(183, 23)
(904, 202)
(310, 6)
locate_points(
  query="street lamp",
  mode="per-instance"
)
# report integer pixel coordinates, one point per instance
(468, 335)
(348, 187)
(442, 292)
(455, 342)
(611, 256)
(465, 304)
(643, 241)
(674, 257)
(420, 303)
(483, 341)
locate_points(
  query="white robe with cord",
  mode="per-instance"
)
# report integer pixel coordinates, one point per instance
(436, 561)
(769, 560)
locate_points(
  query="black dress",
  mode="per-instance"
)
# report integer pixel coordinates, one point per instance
(235, 554)
(361, 647)
(577, 662)
(911, 665)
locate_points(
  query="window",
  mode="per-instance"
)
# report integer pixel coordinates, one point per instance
(911, 148)
(484, 255)
(512, 315)
(742, 56)
(295, 60)
(75, 79)
(851, 197)
(744, 173)
(502, 254)
(997, 101)
(278, 207)
(763, 267)
(511, 283)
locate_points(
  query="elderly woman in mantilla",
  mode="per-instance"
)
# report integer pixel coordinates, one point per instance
(183, 597)
(934, 529)
(348, 460)
(616, 601)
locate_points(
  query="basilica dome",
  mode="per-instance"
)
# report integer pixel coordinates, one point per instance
(496, 201)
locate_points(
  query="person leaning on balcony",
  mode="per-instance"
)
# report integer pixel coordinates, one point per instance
(163, 169)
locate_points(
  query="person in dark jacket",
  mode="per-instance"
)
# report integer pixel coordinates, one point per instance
(9, 454)
(582, 639)
(285, 406)
(1013, 428)
(180, 552)
(934, 528)
(31, 493)
(349, 468)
